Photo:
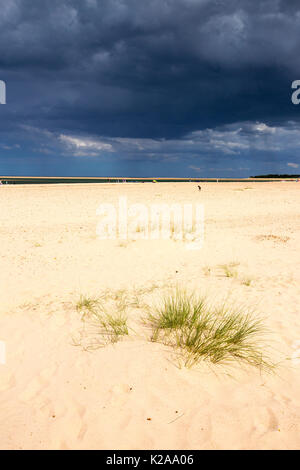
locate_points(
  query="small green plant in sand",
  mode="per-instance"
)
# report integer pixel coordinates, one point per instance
(110, 327)
(229, 270)
(123, 244)
(247, 281)
(86, 302)
(87, 305)
(199, 332)
(114, 325)
(206, 270)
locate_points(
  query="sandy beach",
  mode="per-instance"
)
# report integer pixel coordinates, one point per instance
(56, 394)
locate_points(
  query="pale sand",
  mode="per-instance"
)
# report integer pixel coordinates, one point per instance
(57, 396)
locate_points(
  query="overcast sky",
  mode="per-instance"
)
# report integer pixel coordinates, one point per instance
(149, 87)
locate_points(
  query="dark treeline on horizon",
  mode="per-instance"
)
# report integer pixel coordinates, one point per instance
(275, 176)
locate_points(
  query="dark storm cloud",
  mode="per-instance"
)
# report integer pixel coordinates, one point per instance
(160, 69)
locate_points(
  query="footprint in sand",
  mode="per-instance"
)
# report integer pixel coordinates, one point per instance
(199, 431)
(67, 424)
(119, 394)
(48, 373)
(273, 422)
(33, 388)
(81, 411)
(265, 421)
(37, 385)
(7, 380)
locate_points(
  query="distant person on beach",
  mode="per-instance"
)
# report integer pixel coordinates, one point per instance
(199, 187)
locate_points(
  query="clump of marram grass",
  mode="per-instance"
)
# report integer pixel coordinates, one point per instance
(103, 327)
(87, 305)
(113, 326)
(178, 310)
(86, 302)
(200, 332)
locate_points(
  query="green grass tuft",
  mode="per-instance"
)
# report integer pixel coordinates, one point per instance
(228, 269)
(247, 281)
(115, 326)
(87, 305)
(219, 335)
(110, 327)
